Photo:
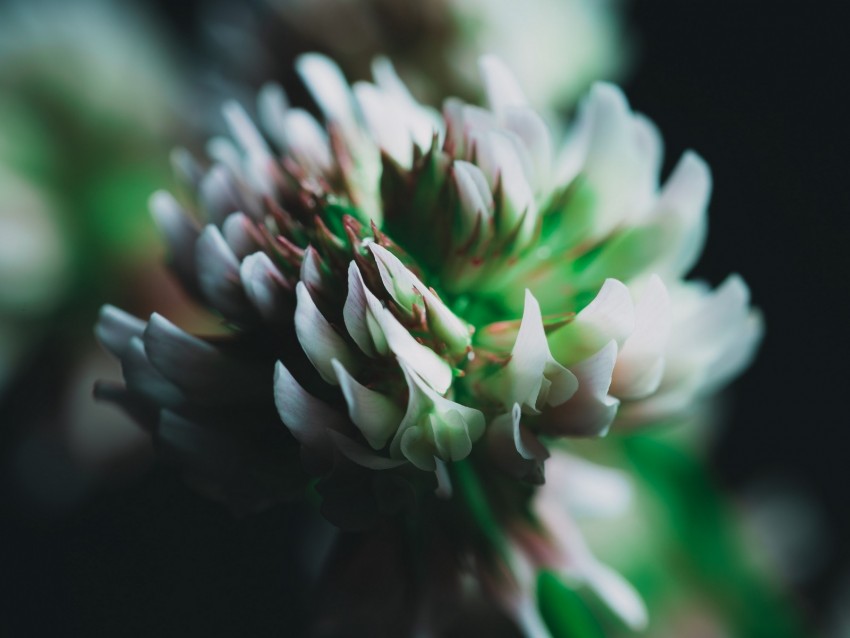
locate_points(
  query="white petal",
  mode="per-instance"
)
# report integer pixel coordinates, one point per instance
(180, 232)
(503, 90)
(272, 106)
(434, 425)
(620, 596)
(610, 316)
(361, 455)
(306, 417)
(201, 368)
(218, 274)
(320, 341)
(476, 199)
(375, 414)
(640, 363)
(384, 123)
(685, 199)
(115, 328)
(328, 87)
(237, 233)
(307, 142)
(243, 130)
(399, 282)
(401, 343)
(591, 410)
(355, 310)
(532, 378)
(497, 156)
(143, 378)
(585, 489)
(534, 134)
(265, 286)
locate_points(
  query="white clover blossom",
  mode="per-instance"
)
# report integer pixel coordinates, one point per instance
(430, 301)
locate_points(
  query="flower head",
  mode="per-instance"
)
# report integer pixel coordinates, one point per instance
(415, 294)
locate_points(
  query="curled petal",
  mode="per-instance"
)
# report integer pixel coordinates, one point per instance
(434, 426)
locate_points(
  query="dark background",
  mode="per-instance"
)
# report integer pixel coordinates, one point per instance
(754, 87)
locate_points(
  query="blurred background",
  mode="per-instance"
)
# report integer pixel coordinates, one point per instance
(98, 540)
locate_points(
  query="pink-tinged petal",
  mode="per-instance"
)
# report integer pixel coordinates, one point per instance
(218, 275)
(640, 363)
(115, 328)
(375, 415)
(321, 343)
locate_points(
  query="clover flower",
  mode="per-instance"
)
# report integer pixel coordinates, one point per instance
(420, 308)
